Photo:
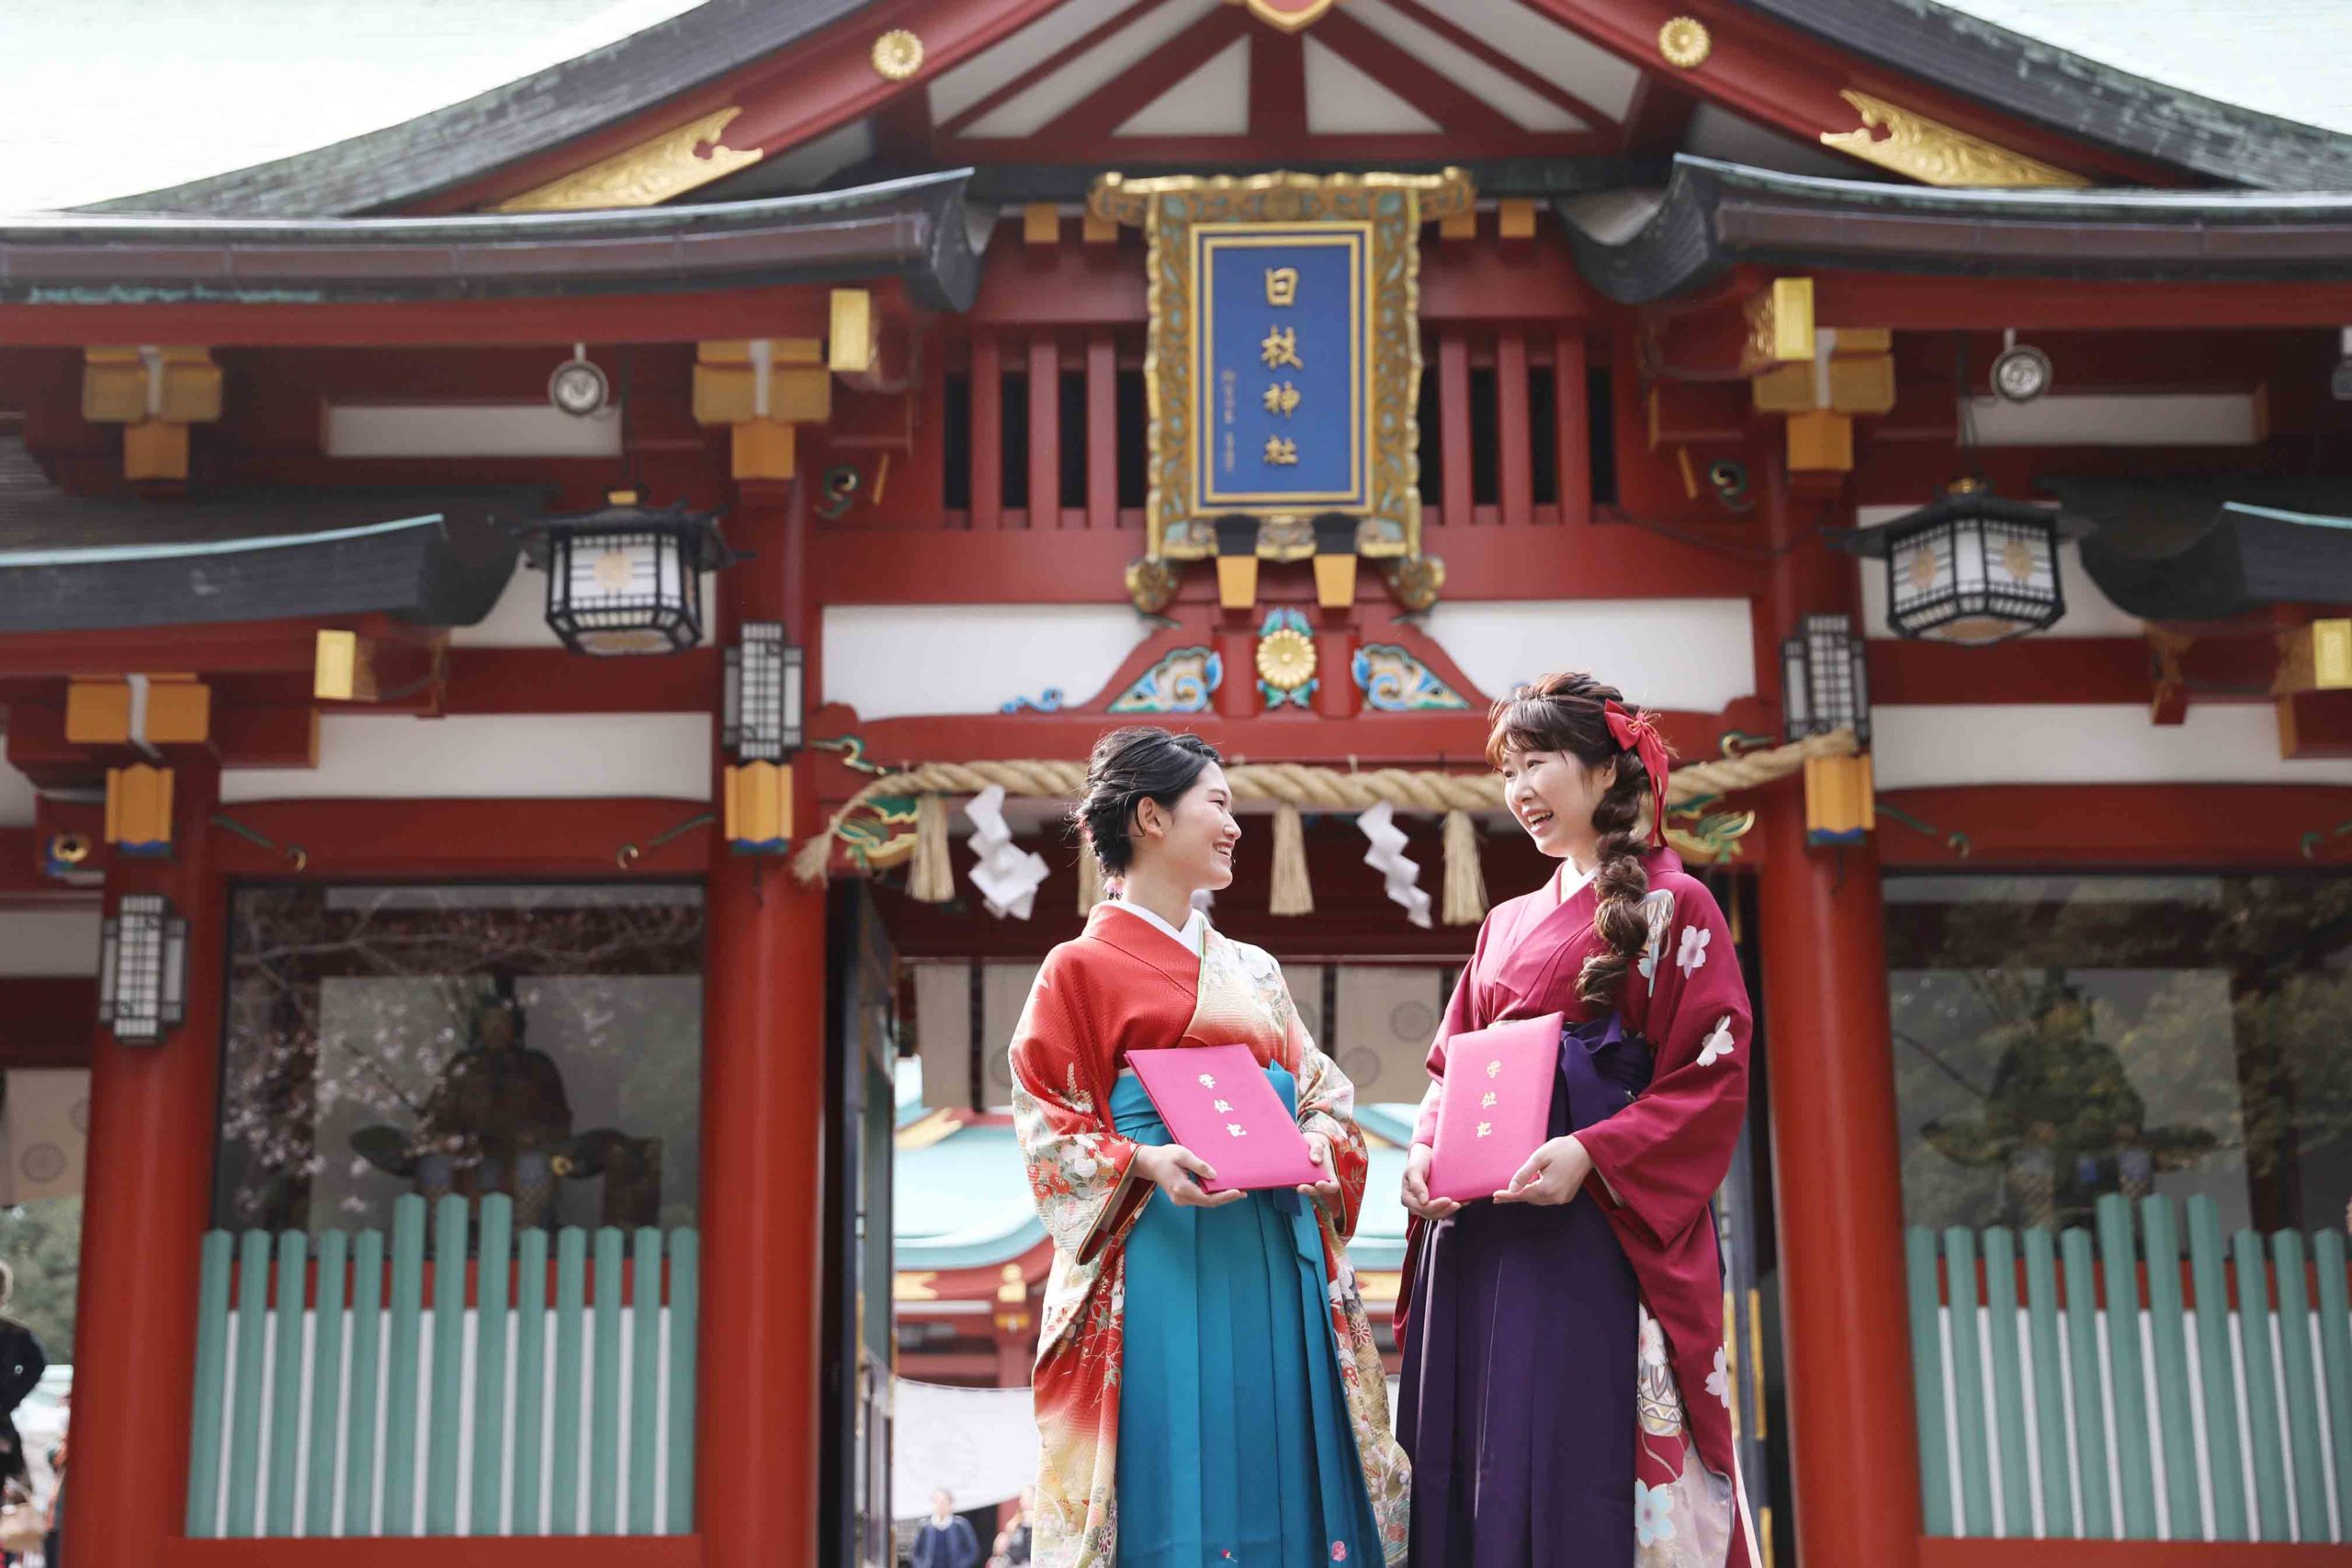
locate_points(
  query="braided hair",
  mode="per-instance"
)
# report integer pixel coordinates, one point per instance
(1567, 713)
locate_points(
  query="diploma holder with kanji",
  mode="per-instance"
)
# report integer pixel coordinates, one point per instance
(1219, 1104)
(1495, 1107)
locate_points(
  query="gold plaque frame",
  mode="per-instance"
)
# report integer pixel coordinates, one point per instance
(1393, 207)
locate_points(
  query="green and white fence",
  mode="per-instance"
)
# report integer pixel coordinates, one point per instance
(2087, 1404)
(376, 1403)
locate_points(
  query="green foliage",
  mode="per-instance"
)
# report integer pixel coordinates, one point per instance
(42, 1241)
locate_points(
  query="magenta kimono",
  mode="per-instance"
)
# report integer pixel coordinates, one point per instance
(1535, 1335)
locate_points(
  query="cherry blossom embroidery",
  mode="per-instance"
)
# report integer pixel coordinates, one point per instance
(1718, 1045)
(1338, 1551)
(1653, 1514)
(1693, 956)
(1719, 1380)
(1651, 1342)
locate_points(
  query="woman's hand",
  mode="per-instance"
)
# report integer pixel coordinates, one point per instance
(1171, 1167)
(1319, 1149)
(1552, 1174)
(1417, 1200)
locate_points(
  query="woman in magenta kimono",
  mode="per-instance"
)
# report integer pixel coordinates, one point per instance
(1565, 1397)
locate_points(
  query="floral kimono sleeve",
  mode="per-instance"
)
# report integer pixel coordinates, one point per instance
(1327, 1104)
(1664, 1155)
(1080, 1171)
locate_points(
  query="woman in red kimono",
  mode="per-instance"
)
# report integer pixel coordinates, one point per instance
(1565, 1397)
(1207, 1390)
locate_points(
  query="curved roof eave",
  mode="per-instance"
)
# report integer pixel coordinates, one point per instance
(2075, 94)
(1714, 216)
(454, 145)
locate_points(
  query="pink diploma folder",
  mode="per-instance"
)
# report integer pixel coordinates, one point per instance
(1218, 1102)
(1495, 1107)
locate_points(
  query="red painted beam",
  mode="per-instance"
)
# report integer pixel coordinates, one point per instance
(556, 680)
(785, 311)
(466, 838)
(2066, 670)
(47, 1021)
(2034, 305)
(2026, 826)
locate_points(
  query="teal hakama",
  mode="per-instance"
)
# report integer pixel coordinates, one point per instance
(1235, 1444)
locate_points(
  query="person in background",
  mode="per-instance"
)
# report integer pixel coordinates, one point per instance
(22, 1361)
(946, 1540)
(1015, 1549)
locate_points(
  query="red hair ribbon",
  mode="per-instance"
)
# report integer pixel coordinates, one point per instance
(1636, 734)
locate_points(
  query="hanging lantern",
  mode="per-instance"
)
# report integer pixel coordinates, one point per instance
(1825, 685)
(143, 969)
(1969, 567)
(762, 716)
(629, 579)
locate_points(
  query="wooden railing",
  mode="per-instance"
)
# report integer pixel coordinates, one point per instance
(1042, 427)
(357, 1399)
(2114, 1390)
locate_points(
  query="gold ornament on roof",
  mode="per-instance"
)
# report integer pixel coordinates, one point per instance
(897, 54)
(1286, 658)
(1934, 153)
(1685, 43)
(646, 175)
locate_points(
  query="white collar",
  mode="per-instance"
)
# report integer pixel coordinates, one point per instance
(1567, 889)
(1193, 937)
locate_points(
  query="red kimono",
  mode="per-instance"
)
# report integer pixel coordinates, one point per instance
(1125, 987)
(1657, 1164)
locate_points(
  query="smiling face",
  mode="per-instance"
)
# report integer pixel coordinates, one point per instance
(1551, 795)
(1191, 842)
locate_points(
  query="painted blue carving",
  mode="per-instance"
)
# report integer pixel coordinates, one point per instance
(1181, 682)
(1393, 680)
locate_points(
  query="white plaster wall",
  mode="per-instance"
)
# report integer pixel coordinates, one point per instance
(1916, 745)
(892, 660)
(493, 755)
(1694, 654)
(17, 797)
(2090, 613)
(53, 939)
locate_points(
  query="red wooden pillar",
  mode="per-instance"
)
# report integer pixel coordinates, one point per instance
(764, 1098)
(1836, 1166)
(144, 1213)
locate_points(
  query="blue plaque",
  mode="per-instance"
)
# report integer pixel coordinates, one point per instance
(1281, 366)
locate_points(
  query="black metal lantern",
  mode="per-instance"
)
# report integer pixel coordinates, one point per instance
(1969, 567)
(1825, 685)
(762, 718)
(143, 969)
(629, 579)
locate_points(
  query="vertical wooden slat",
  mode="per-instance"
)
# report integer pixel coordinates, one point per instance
(244, 1409)
(644, 1378)
(685, 1300)
(1454, 425)
(530, 1376)
(2307, 1463)
(1044, 429)
(286, 1384)
(1101, 429)
(2082, 1351)
(205, 1407)
(1569, 412)
(1928, 1377)
(1968, 1383)
(571, 1293)
(2335, 1362)
(326, 1385)
(443, 1420)
(1514, 452)
(2168, 1335)
(2126, 1372)
(2261, 1388)
(604, 1421)
(485, 1516)
(2008, 1386)
(987, 431)
(406, 1311)
(2208, 1263)
(2049, 1401)
(366, 1335)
